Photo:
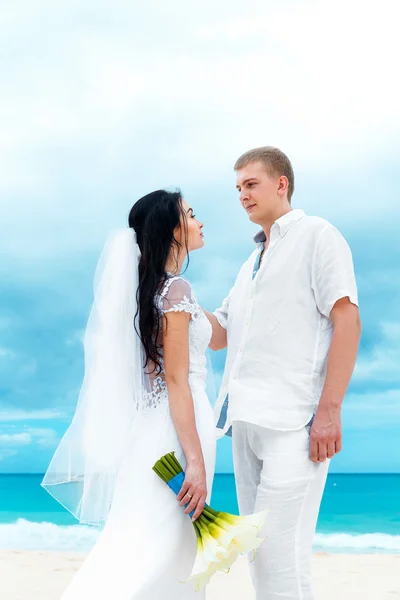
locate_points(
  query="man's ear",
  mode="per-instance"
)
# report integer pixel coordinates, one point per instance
(283, 185)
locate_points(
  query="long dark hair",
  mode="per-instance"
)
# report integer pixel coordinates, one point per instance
(154, 219)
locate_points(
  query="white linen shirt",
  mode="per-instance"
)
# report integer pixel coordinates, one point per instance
(278, 326)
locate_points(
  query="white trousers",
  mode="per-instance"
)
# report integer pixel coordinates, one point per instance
(273, 470)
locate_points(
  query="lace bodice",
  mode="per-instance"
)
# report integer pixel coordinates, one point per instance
(178, 296)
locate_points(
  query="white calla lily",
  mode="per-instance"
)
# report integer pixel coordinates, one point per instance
(221, 536)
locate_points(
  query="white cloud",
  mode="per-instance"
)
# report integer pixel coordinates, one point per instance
(10, 414)
(124, 111)
(382, 363)
(43, 437)
(5, 323)
(27, 436)
(385, 280)
(374, 410)
(15, 439)
(76, 338)
(112, 112)
(7, 453)
(17, 363)
(6, 353)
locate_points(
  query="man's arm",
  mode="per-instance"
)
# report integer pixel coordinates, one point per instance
(219, 318)
(219, 324)
(219, 337)
(335, 291)
(326, 430)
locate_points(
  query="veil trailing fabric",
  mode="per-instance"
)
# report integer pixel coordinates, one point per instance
(83, 471)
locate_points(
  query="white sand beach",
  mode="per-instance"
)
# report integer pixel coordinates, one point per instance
(38, 575)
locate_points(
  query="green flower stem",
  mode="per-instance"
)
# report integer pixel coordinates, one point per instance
(199, 528)
(207, 515)
(231, 519)
(210, 512)
(163, 471)
(209, 520)
(223, 524)
(176, 461)
(172, 464)
(203, 521)
(168, 466)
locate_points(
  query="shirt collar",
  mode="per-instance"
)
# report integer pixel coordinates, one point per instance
(284, 223)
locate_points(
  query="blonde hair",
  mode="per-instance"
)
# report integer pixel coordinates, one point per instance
(275, 161)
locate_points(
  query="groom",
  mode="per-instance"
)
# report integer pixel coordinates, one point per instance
(292, 328)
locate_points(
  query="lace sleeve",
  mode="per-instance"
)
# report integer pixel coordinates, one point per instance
(177, 296)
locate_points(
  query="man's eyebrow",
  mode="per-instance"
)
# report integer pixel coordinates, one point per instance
(247, 181)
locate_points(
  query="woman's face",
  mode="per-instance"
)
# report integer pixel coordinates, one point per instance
(195, 236)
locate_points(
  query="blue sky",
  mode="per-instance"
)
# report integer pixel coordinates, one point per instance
(102, 104)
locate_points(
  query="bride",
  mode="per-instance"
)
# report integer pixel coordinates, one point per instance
(143, 395)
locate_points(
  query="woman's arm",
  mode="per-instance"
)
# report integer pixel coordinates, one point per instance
(176, 362)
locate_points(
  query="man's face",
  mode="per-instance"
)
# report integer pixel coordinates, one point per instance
(258, 192)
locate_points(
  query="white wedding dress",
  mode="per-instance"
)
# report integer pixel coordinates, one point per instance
(147, 548)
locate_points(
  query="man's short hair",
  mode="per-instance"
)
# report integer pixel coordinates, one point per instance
(275, 161)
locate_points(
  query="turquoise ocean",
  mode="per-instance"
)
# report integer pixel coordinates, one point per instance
(359, 514)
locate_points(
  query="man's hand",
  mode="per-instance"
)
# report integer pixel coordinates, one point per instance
(219, 336)
(325, 434)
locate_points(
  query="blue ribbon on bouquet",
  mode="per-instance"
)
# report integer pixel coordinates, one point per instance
(176, 484)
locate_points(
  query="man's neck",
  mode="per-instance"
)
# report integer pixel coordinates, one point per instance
(267, 224)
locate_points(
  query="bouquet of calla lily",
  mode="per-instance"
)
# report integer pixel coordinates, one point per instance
(221, 536)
